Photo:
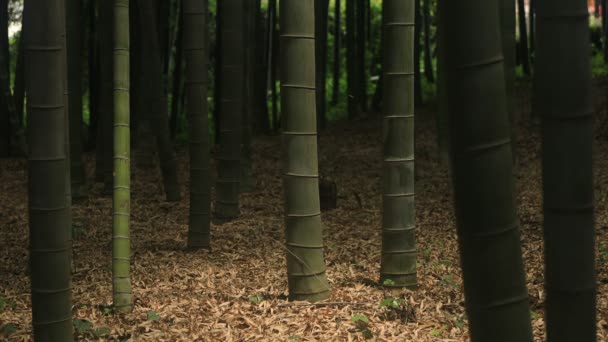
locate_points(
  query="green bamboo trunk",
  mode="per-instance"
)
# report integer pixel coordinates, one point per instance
(121, 204)
(106, 104)
(231, 116)
(196, 48)
(305, 261)
(398, 261)
(46, 130)
(74, 28)
(564, 102)
(482, 175)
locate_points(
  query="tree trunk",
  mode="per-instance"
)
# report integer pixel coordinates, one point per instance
(398, 261)
(565, 104)
(443, 111)
(217, 79)
(229, 156)
(48, 216)
(93, 79)
(262, 122)
(360, 60)
(121, 203)
(524, 53)
(74, 27)
(106, 106)
(428, 57)
(416, 65)
(178, 72)
(484, 196)
(246, 182)
(305, 261)
(335, 94)
(155, 98)
(507, 22)
(322, 14)
(196, 47)
(351, 55)
(532, 19)
(5, 126)
(19, 82)
(274, 53)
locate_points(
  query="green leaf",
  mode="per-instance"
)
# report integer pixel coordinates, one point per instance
(446, 262)
(8, 329)
(153, 316)
(360, 318)
(103, 331)
(1, 304)
(256, 298)
(436, 332)
(82, 325)
(459, 324)
(388, 282)
(534, 315)
(390, 302)
(295, 337)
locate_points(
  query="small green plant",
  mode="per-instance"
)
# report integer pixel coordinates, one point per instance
(7, 329)
(448, 281)
(391, 303)
(388, 282)
(534, 315)
(256, 298)
(82, 326)
(436, 332)
(295, 337)
(153, 316)
(362, 324)
(101, 332)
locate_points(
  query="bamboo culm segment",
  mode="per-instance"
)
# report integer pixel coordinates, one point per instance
(305, 261)
(231, 116)
(507, 22)
(482, 175)
(196, 42)
(74, 25)
(564, 103)
(121, 204)
(48, 216)
(398, 261)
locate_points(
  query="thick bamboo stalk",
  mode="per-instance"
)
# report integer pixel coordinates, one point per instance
(196, 49)
(398, 261)
(121, 204)
(305, 261)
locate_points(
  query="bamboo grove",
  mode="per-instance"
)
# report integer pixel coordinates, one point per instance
(218, 74)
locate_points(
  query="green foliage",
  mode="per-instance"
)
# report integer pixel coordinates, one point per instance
(2, 304)
(436, 332)
(362, 324)
(256, 298)
(7, 329)
(535, 315)
(153, 316)
(295, 337)
(391, 303)
(448, 281)
(598, 66)
(388, 282)
(82, 326)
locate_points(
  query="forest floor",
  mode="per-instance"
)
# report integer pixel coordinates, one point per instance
(238, 291)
